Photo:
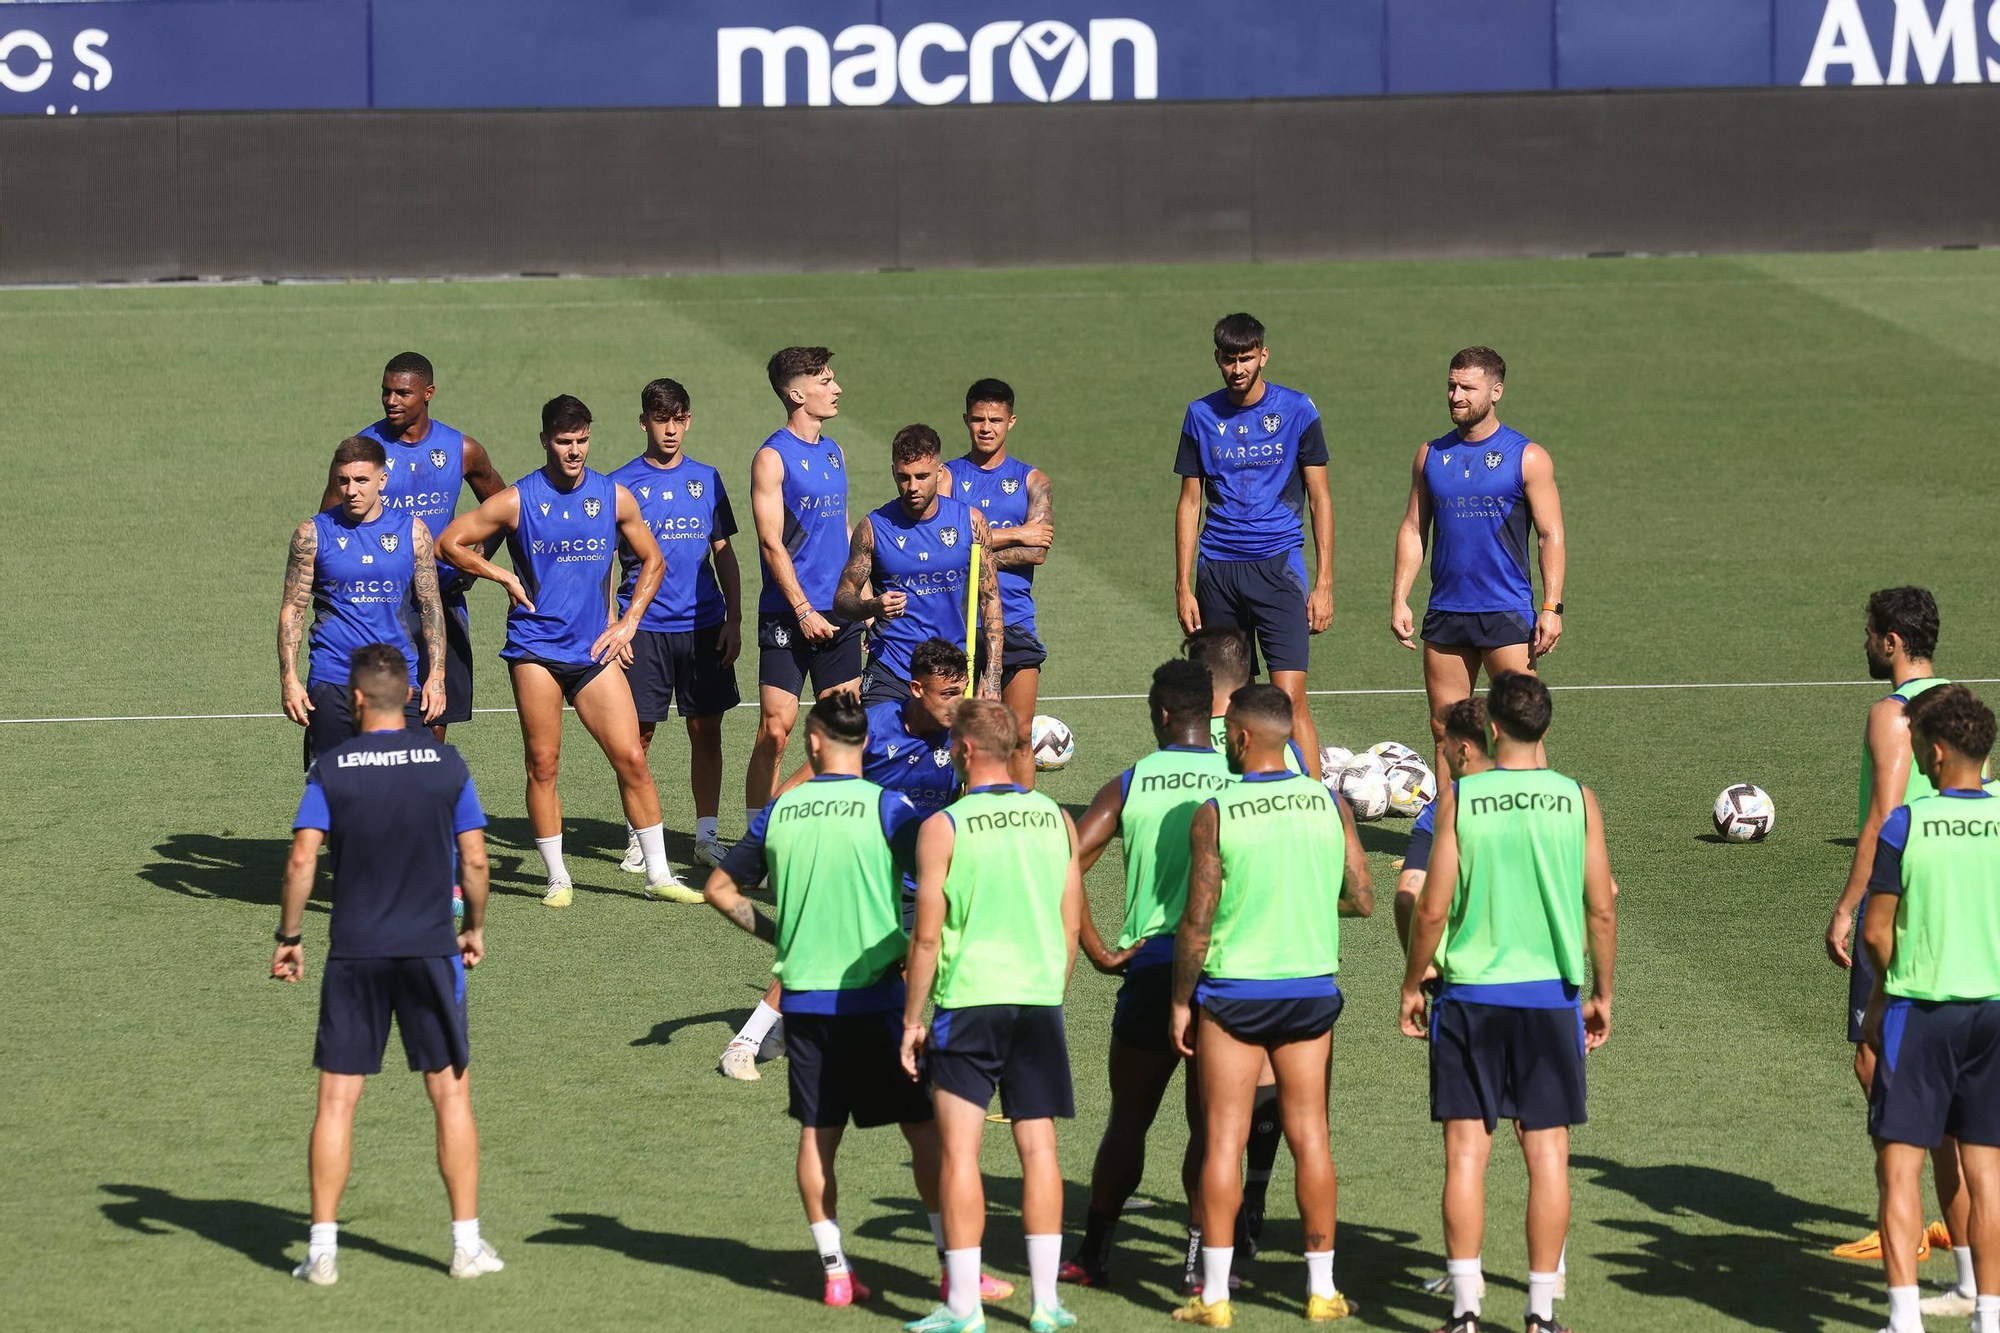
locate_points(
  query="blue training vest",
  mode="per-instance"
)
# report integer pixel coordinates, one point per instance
(929, 561)
(425, 477)
(1479, 524)
(565, 553)
(361, 583)
(1001, 496)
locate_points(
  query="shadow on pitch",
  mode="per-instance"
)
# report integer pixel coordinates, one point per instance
(787, 1272)
(260, 1232)
(207, 865)
(663, 1032)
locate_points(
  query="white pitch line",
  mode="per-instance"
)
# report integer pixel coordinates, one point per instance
(1098, 698)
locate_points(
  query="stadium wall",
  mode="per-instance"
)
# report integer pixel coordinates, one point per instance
(666, 190)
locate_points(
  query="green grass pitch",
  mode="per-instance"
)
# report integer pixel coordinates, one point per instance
(1745, 448)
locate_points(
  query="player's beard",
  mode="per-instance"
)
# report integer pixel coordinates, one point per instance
(1879, 668)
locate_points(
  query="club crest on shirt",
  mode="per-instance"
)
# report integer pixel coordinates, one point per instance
(942, 758)
(389, 542)
(1010, 485)
(694, 490)
(781, 636)
(591, 506)
(438, 459)
(949, 536)
(1493, 459)
(1271, 423)
(833, 458)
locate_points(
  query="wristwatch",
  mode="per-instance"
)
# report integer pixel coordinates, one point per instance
(282, 938)
(1556, 607)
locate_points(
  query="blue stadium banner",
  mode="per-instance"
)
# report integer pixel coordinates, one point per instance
(163, 55)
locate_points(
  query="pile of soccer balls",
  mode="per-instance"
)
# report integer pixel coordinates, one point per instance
(1385, 779)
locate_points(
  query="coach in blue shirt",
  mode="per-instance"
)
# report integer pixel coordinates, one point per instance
(393, 806)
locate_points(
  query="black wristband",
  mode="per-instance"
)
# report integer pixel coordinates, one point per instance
(282, 938)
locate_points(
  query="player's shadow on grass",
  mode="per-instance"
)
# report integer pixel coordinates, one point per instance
(788, 1272)
(1391, 841)
(663, 1032)
(205, 865)
(517, 867)
(260, 1232)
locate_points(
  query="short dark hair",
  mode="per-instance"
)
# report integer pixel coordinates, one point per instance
(1481, 358)
(1518, 703)
(990, 391)
(989, 724)
(360, 449)
(1953, 714)
(1181, 690)
(1909, 613)
(410, 363)
(1466, 720)
(913, 442)
(1263, 703)
(1238, 333)
(1222, 650)
(664, 398)
(840, 718)
(937, 657)
(562, 413)
(793, 363)
(382, 674)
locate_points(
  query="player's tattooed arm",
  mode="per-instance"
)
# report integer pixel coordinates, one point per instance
(724, 896)
(1028, 542)
(850, 597)
(992, 625)
(430, 617)
(292, 613)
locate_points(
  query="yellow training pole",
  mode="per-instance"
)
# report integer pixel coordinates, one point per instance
(971, 619)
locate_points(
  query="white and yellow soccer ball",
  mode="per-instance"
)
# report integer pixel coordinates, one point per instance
(1364, 785)
(1053, 744)
(1333, 761)
(1393, 753)
(1745, 813)
(1412, 786)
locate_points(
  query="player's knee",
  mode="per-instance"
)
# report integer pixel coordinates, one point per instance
(542, 765)
(773, 731)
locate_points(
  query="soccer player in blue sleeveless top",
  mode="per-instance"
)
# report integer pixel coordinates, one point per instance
(917, 550)
(1255, 452)
(798, 503)
(687, 644)
(358, 567)
(1017, 500)
(428, 461)
(1475, 492)
(563, 524)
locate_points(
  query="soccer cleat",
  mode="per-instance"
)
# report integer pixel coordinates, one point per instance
(670, 890)
(1537, 1324)
(990, 1288)
(1870, 1245)
(1072, 1271)
(558, 895)
(1462, 1323)
(321, 1272)
(1320, 1309)
(739, 1061)
(1050, 1319)
(845, 1289)
(1441, 1285)
(1953, 1304)
(942, 1320)
(709, 851)
(1938, 1234)
(475, 1263)
(1197, 1311)
(635, 858)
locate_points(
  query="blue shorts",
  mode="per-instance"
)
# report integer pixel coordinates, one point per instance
(1020, 651)
(785, 655)
(570, 676)
(1021, 1048)
(1274, 1021)
(1266, 599)
(457, 656)
(681, 668)
(1939, 1073)
(357, 996)
(850, 1067)
(1494, 1062)
(1144, 1014)
(1478, 629)
(1860, 982)
(330, 723)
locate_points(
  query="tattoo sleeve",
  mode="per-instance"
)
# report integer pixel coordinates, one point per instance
(850, 598)
(745, 914)
(1204, 891)
(992, 629)
(430, 610)
(298, 597)
(1041, 509)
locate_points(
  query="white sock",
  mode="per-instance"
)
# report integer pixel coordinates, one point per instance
(1968, 1285)
(465, 1235)
(653, 842)
(1465, 1280)
(1904, 1317)
(552, 860)
(759, 1025)
(937, 1234)
(1044, 1256)
(705, 829)
(826, 1239)
(961, 1269)
(324, 1238)
(1542, 1295)
(1562, 1259)
(1319, 1272)
(1215, 1261)
(1986, 1314)
(631, 836)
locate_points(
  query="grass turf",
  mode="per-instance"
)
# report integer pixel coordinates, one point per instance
(1745, 447)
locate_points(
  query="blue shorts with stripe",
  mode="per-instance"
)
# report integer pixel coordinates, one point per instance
(1271, 1011)
(1494, 1062)
(1266, 599)
(358, 996)
(1019, 1048)
(1939, 1073)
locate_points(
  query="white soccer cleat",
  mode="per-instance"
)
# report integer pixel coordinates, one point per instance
(475, 1263)
(1953, 1304)
(635, 858)
(709, 851)
(321, 1272)
(739, 1061)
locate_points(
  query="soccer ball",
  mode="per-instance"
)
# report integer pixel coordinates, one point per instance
(1393, 752)
(1412, 786)
(1052, 743)
(1333, 761)
(1364, 785)
(1744, 813)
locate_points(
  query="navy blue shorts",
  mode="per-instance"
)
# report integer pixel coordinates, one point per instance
(1494, 1062)
(1860, 982)
(681, 668)
(357, 997)
(570, 676)
(1939, 1073)
(785, 655)
(1020, 651)
(1019, 1047)
(1264, 598)
(1477, 629)
(881, 685)
(330, 722)
(1272, 1022)
(457, 656)
(1144, 1014)
(850, 1067)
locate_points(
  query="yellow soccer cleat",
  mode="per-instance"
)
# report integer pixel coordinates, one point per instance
(1936, 1234)
(670, 890)
(1196, 1311)
(1869, 1247)
(1319, 1309)
(558, 895)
